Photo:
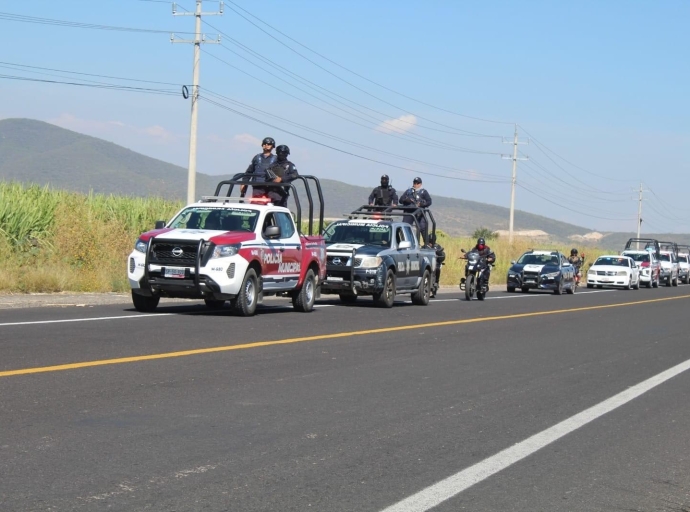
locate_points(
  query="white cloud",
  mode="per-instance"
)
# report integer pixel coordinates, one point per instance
(99, 128)
(400, 125)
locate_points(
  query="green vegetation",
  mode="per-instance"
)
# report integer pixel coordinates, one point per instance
(52, 241)
(485, 233)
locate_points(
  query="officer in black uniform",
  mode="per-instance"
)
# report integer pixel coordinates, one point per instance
(440, 258)
(384, 195)
(259, 165)
(283, 171)
(417, 197)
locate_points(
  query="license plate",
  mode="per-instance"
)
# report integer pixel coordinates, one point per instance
(334, 279)
(174, 272)
(607, 280)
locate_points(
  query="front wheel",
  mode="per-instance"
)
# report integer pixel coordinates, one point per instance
(387, 296)
(470, 285)
(559, 288)
(145, 304)
(304, 300)
(248, 297)
(423, 294)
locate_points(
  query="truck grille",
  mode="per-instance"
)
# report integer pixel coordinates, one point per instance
(606, 273)
(530, 275)
(180, 253)
(342, 261)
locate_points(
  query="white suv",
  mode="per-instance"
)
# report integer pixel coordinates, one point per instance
(650, 268)
(669, 268)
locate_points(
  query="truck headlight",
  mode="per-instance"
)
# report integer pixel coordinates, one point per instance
(141, 246)
(370, 262)
(223, 251)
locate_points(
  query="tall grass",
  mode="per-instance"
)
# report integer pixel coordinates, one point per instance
(52, 240)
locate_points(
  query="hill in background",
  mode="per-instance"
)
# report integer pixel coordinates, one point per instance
(37, 152)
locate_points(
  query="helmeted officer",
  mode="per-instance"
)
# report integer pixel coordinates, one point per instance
(384, 195)
(417, 197)
(485, 251)
(259, 165)
(283, 171)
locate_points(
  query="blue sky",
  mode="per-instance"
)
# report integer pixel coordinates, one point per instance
(601, 88)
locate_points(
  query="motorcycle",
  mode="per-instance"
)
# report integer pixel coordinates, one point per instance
(474, 282)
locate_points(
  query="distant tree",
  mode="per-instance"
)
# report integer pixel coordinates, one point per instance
(486, 233)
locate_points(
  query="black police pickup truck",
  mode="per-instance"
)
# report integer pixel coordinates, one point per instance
(374, 252)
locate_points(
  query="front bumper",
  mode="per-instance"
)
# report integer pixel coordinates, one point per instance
(362, 281)
(598, 280)
(533, 282)
(220, 279)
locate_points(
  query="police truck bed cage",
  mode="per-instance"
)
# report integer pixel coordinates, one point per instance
(390, 212)
(650, 244)
(669, 246)
(246, 179)
(683, 249)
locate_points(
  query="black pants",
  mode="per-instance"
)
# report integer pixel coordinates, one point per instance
(422, 225)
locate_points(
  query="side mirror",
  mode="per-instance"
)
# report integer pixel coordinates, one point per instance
(160, 224)
(462, 250)
(272, 232)
(512, 261)
(404, 245)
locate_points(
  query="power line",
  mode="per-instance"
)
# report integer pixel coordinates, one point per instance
(349, 70)
(21, 18)
(351, 143)
(93, 85)
(388, 164)
(337, 76)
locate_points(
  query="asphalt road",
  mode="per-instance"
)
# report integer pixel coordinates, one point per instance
(523, 402)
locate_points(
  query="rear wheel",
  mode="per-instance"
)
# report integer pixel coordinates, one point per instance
(669, 282)
(675, 281)
(214, 304)
(573, 287)
(559, 288)
(387, 296)
(347, 297)
(145, 304)
(423, 294)
(655, 283)
(470, 285)
(248, 297)
(304, 300)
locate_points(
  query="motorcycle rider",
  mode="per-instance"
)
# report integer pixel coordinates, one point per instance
(440, 258)
(384, 195)
(486, 253)
(576, 261)
(283, 171)
(259, 165)
(417, 197)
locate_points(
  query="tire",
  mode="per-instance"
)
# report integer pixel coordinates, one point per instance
(637, 285)
(304, 300)
(655, 283)
(422, 296)
(590, 285)
(386, 298)
(214, 304)
(347, 298)
(675, 281)
(246, 301)
(525, 290)
(145, 304)
(669, 282)
(469, 287)
(559, 288)
(573, 287)
(510, 289)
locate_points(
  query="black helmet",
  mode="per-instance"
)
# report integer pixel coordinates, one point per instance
(268, 140)
(573, 252)
(481, 243)
(417, 180)
(385, 180)
(283, 149)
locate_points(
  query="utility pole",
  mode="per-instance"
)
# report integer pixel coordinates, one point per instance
(639, 211)
(512, 190)
(199, 38)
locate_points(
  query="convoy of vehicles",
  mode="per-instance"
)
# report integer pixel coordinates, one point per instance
(239, 249)
(542, 270)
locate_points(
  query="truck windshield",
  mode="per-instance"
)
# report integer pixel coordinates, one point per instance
(665, 257)
(220, 219)
(365, 234)
(638, 256)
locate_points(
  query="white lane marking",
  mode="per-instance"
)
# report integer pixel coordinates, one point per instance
(445, 489)
(83, 319)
